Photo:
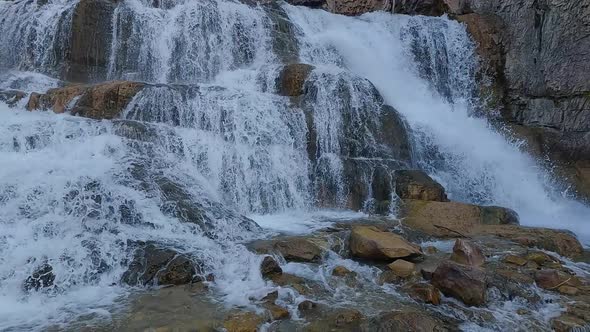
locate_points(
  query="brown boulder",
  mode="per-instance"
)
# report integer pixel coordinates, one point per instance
(292, 79)
(293, 249)
(553, 279)
(402, 268)
(449, 219)
(415, 184)
(270, 267)
(101, 101)
(466, 283)
(369, 242)
(467, 253)
(424, 292)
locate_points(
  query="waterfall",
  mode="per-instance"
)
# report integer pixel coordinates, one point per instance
(208, 146)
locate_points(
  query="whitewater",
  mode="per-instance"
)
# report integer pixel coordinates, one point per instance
(69, 190)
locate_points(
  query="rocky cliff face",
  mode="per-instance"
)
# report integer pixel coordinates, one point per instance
(538, 55)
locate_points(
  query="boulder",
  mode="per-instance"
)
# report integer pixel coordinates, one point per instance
(306, 305)
(552, 279)
(270, 267)
(424, 292)
(467, 253)
(42, 277)
(415, 184)
(402, 268)
(292, 79)
(449, 219)
(293, 249)
(466, 283)
(407, 320)
(371, 243)
(243, 322)
(568, 323)
(101, 101)
(155, 265)
(561, 242)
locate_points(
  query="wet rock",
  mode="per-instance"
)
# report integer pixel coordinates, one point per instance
(568, 290)
(424, 292)
(101, 101)
(388, 277)
(542, 259)
(407, 321)
(511, 284)
(557, 241)
(270, 267)
(567, 323)
(465, 283)
(307, 3)
(450, 219)
(402, 268)
(306, 305)
(154, 265)
(42, 277)
(515, 276)
(276, 312)
(371, 243)
(553, 279)
(415, 184)
(90, 41)
(513, 259)
(292, 79)
(301, 285)
(430, 250)
(243, 322)
(421, 7)
(341, 271)
(11, 97)
(293, 249)
(357, 7)
(467, 253)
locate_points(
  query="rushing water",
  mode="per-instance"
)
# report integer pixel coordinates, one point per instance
(74, 193)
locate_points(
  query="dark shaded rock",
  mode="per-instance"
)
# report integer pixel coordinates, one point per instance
(465, 283)
(153, 265)
(415, 184)
(11, 97)
(90, 42)
(371, 243)
(467, 253)
(284, 41)
(42, 277)
(421, 7)
(513, 259)
(306, 305)
(291, 80)
(307, 3)
(407, 321)
(101, 101)
(357, 7)
(270, 267)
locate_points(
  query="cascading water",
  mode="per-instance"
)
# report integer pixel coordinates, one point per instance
(185, 162)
